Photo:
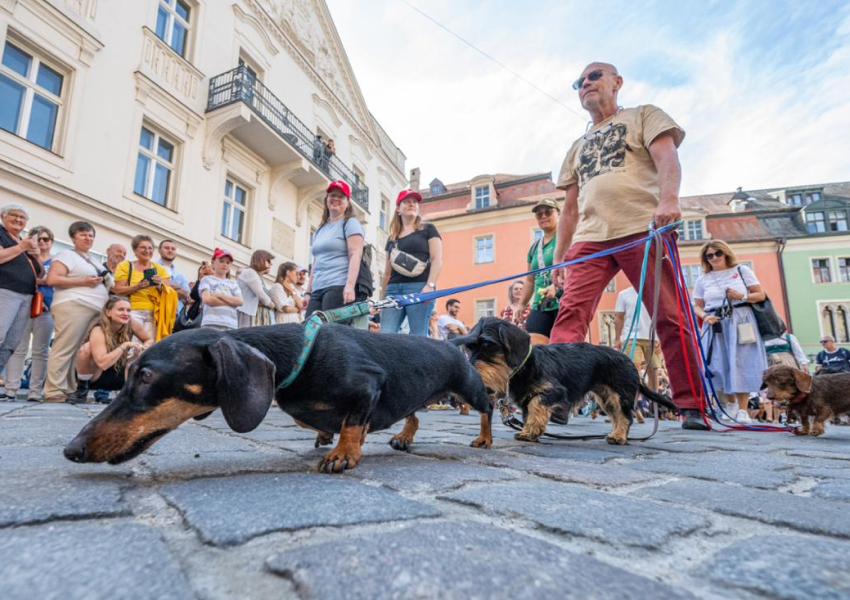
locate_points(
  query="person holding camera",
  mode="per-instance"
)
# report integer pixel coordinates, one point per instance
(539, 289)
(39, 328)
(735, 353)
(79, 293)
(142, 281)
(19, 271)
(103, 359)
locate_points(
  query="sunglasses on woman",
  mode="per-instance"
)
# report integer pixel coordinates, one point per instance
(717, 254)
(592, 76)
(44, 239)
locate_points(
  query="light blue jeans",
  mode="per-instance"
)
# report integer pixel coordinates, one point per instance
(417, 315)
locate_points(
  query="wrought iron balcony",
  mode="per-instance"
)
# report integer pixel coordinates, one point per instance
(240, 85)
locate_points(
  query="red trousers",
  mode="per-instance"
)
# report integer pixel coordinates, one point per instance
(583, 288)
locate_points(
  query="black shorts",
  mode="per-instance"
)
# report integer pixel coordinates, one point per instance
(540, 321)
(111, 380)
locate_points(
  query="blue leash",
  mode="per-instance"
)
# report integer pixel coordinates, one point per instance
(410, 299)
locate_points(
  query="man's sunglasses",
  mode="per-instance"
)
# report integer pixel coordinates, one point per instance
(825, 341)
(44, 239)
(717, 254)
(543, 212)
(592, 76)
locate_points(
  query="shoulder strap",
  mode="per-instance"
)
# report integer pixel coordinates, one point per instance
(129, 272)
(741, 273)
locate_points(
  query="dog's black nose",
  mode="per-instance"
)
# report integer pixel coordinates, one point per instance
(76, 450)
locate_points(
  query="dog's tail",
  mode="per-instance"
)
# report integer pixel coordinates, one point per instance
(659, 399)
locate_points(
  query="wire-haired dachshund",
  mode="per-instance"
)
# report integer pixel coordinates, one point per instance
(353, 382)
(539, 377)
(818, 397)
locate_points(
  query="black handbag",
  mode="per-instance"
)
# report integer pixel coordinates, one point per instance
(187, 319)
(770, 324)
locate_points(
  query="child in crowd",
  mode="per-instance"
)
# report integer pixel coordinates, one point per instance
(220, 294)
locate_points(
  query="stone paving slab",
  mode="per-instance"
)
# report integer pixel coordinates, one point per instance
(217, 464)
(585, 513)
(21, 429)
(458, 560)
(813, 515)
(784, 566)
(597, 451)
(718, 471)
(834, 490)
(231, 510)
(89, 561)
(39, 496)
(406, 473)
(192, 439)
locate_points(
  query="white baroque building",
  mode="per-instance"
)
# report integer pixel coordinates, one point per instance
(189, 119)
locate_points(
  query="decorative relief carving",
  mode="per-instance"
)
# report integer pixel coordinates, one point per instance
(85, 8)
(163, 65)
(283, 238)
(299, 20)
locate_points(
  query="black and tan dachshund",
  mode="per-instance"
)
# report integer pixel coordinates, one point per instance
(554, 374)
(353, 382)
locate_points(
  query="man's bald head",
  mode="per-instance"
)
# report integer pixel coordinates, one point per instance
(597, 88)
(600, 65)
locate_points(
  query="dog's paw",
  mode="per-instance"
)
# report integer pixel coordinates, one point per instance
(616, 441)
(526, 437)
(401, 443)
(337, 461)
(816, 432)
(482, 442)
(324, 439)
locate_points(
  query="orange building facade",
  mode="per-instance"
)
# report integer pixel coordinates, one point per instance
(487, 228)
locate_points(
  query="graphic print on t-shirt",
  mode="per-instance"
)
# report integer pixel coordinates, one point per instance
(605, 151)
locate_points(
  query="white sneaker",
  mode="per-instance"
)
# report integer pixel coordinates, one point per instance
(743, 417)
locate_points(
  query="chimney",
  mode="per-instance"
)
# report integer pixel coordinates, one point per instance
(414, 178)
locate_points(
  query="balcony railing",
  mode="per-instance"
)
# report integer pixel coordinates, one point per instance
(240, 85)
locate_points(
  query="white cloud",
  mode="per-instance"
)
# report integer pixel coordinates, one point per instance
(456, 114)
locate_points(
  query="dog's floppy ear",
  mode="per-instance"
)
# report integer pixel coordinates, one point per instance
(469, 337)
(244, 383)
(803, 381)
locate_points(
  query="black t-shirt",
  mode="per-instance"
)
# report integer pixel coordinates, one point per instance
(415, 244)
(16, 275)
(840, 359)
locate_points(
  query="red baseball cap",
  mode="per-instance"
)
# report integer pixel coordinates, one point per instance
(406, 194)
(221, 252)
(341, 186)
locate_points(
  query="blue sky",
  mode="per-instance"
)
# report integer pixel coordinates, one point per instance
(761, 88)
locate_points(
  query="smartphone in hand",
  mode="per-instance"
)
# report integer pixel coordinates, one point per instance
(149, 274)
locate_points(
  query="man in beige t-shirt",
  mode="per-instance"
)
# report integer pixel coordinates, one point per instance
(619, 177)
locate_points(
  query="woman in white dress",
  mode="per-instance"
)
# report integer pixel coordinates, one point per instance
(287, 301)
(730, 335)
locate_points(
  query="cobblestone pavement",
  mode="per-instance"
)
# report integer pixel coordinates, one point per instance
(207, 513)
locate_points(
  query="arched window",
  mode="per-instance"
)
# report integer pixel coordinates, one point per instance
(841, 325)
(607, 329)
(828, 321)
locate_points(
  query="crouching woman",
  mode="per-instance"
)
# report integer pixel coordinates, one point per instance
(103, 359)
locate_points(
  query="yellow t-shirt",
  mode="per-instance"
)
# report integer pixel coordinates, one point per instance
(139, 300)
(617, 180)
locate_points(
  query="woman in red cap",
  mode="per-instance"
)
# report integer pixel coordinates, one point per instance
(414, 260)
(337, 251)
